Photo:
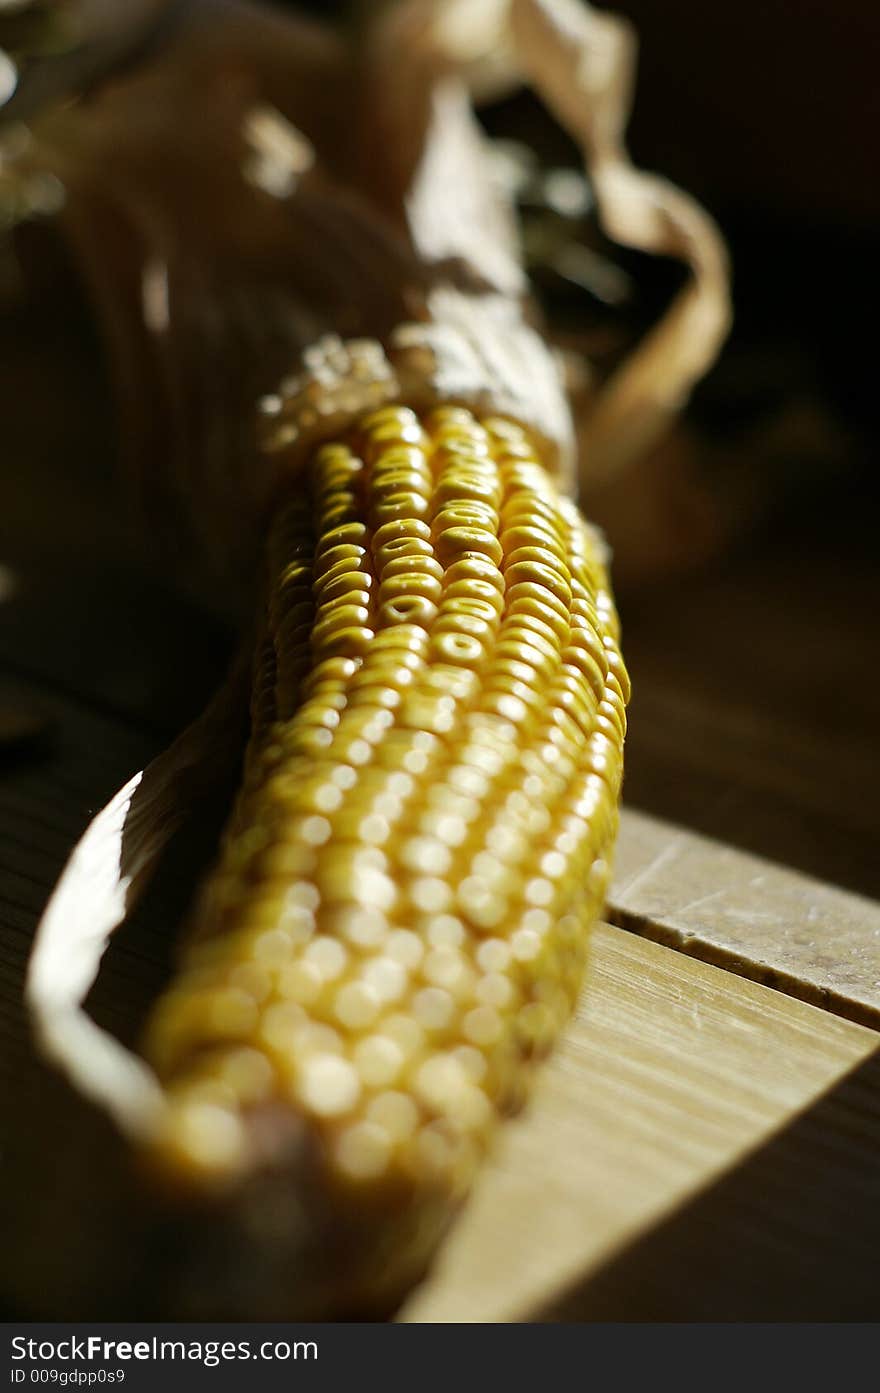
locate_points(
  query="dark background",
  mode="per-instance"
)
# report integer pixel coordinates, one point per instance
(762, 690)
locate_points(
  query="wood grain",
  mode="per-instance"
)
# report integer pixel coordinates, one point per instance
(751, 916)
(790, 1234)
(672, 1073)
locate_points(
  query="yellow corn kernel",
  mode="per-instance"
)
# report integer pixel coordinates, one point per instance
(424, 833)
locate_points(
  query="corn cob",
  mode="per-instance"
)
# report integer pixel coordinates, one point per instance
(398, 921)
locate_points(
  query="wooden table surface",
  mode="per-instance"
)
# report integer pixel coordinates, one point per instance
(705, 1143)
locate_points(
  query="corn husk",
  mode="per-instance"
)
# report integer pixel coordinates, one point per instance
(279, 229)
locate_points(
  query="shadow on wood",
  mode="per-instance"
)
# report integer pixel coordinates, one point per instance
(792, 1234)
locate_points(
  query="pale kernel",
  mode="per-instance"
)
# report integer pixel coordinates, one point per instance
(356, 1005)
(329, 1085)
(252, 978)
(279, 1025)
(473, 1109)
(247, 1073)
(378, 1060)
(446, 931)
(495, 990)
(425, 855)
(362, 926)
(386, 977)
(315, 831)
(210, 1137)
(430, 895)
(538, 920)
(445, 967)
(472, 1061)
(481, 903)
(525, 945)
(328, 955)
(300, 982)
(405, 947)
(553, 864)
(433, 1008)
(298, 923)
(483, 1026)
(396, 1112)
(302, 895)
(493, 955)
(440, 1081)
(405, 1032)
(539, 892)
(364, 1150)
(314, 1038)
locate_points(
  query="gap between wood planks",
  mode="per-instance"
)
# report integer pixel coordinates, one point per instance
(748, 916)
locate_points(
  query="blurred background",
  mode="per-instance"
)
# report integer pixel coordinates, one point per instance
(755, 712)
(745, 545)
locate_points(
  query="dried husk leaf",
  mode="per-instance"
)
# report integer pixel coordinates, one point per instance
(583, 63)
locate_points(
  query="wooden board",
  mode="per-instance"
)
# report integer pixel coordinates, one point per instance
(758, 919)
(671, 1074)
